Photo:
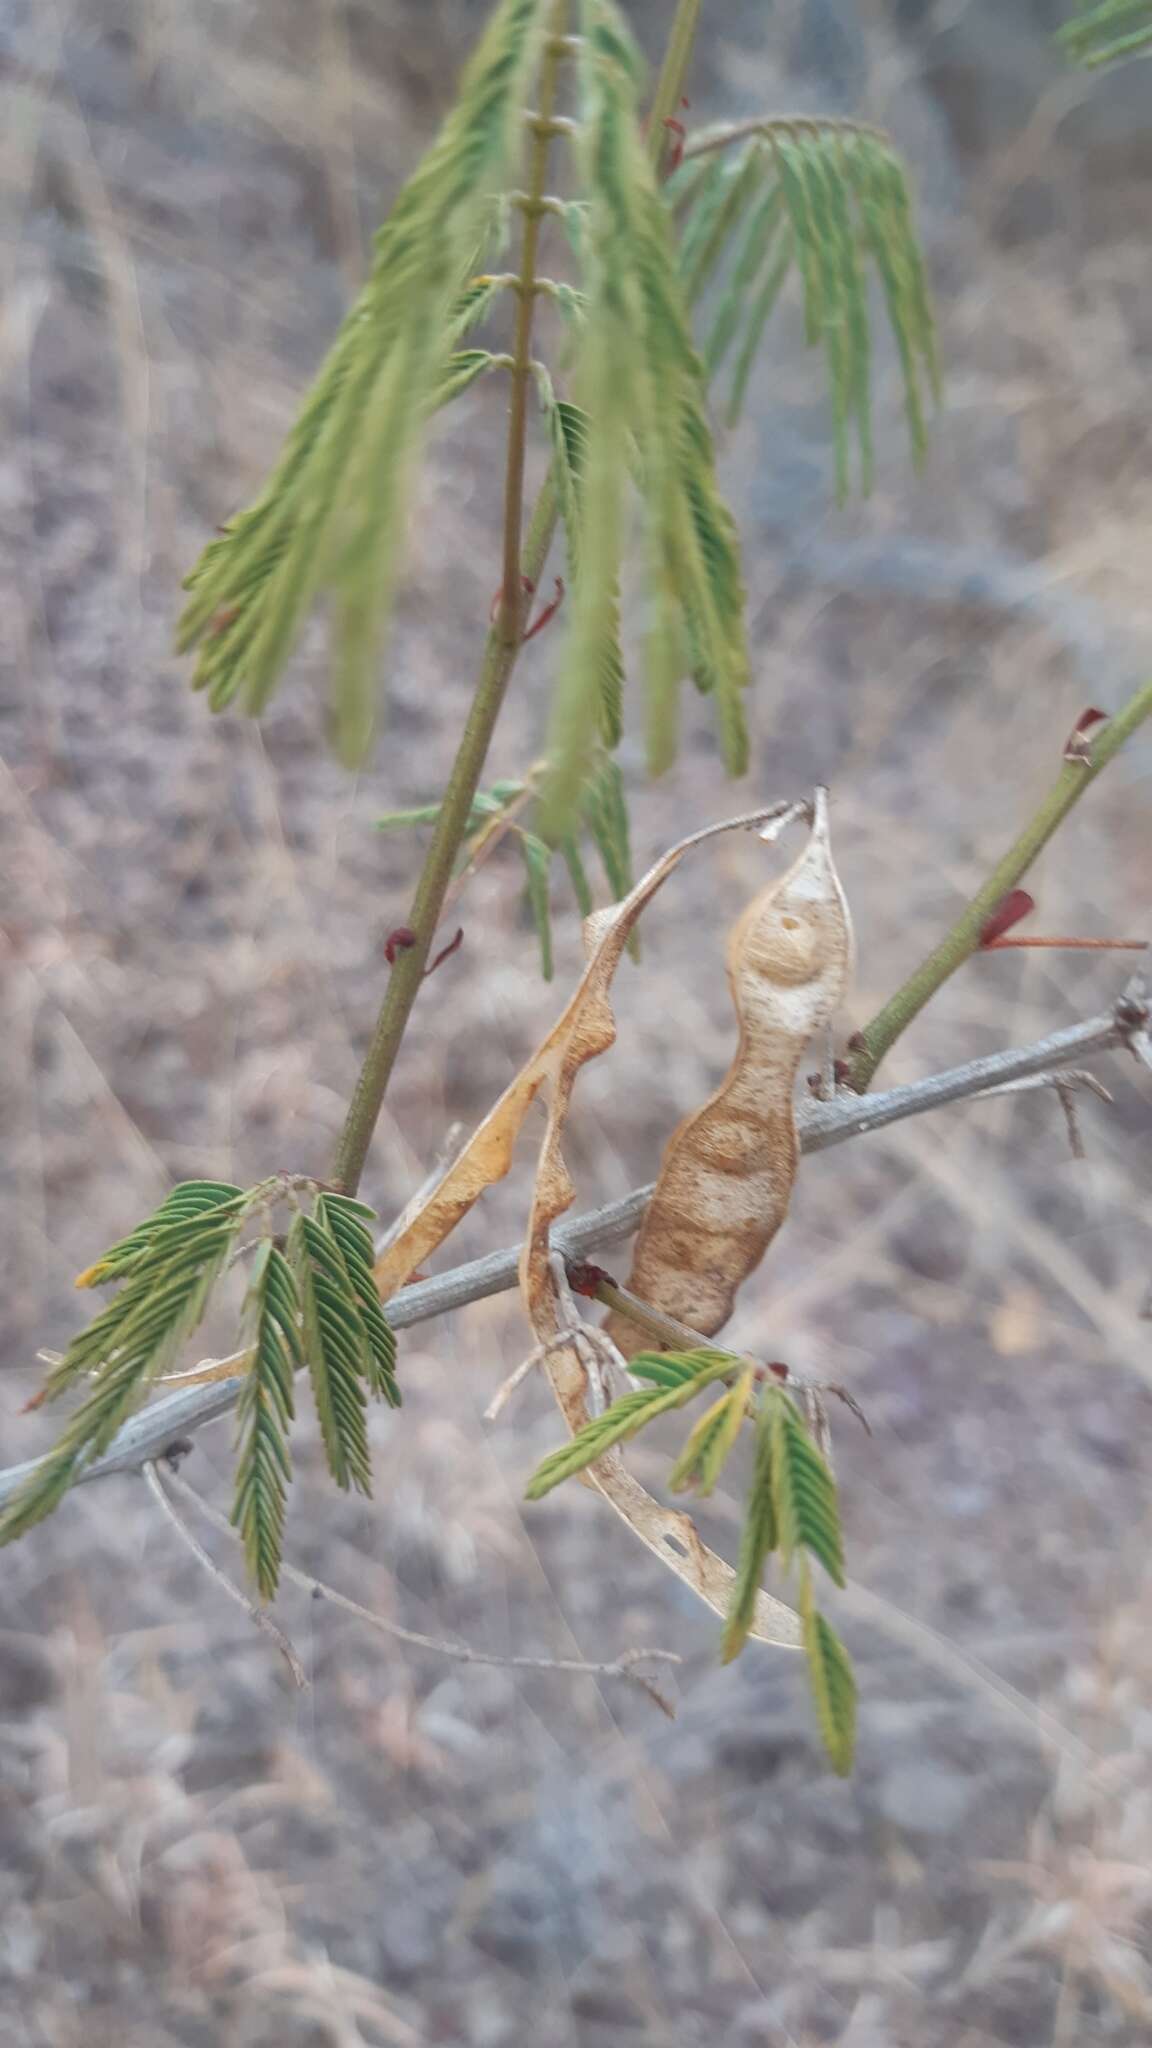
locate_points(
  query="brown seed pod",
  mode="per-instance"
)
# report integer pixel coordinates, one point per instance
(726, 1177)
(585, 1029)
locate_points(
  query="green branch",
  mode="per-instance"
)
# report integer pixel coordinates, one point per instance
(964, 938)
(663, 1329)
(510, 619)
(505, 636)
(436, 873)
(502, 647)
(670, 84)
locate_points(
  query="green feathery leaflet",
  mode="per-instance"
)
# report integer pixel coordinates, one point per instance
(346, 1222)
(823, 199)
(803, 1493)
(640, 387)
(826, 199)
(330, 516)
(271, 1328)
(335, 1349)
(759, 1537)
(1105, 33)
(831, 1679)
(167, 1269)
(677, 1381)
(792, 1504)
(187, 1200)
(706, 1452)
(313, 1304)
(568, 434)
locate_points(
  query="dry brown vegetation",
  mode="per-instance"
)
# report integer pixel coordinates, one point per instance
(414, 1850)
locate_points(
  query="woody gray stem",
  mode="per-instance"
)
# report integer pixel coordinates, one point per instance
(150, 1433)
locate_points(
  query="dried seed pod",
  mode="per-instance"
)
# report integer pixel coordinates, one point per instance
(726, 1177)
(585, 1029)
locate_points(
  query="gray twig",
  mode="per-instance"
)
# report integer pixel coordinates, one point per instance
(256, 1615)
(1071, 1108)
(623, 1666)
(1064, 1085)
(822, 1124)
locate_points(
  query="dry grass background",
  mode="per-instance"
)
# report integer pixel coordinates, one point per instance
(416, 1851)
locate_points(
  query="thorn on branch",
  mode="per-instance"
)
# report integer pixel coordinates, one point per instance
(679, 134)
(403, 939)
(445, 953)
(1070, 945)
(526, 585)
(1015, 905)
(1074, 945)
(1078, 746)
(545, 617)
(529, 589)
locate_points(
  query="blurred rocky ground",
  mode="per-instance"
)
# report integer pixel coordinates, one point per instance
(193, 922)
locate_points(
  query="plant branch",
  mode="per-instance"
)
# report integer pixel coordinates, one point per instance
(520, 567)
(964, 938)
(670, 84)
(520, 564)
(510, 618)
(407, 973)
(256, 1615)
(677, 1336)
(662, 1329)
(822, 1124)
(460, 1653)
